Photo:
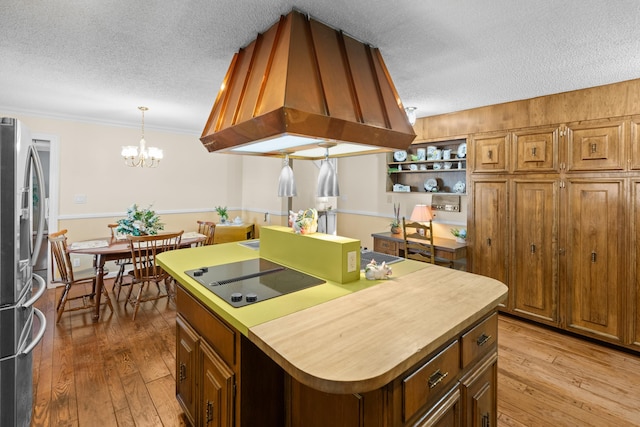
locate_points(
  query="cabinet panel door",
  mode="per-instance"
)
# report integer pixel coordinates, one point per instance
(635, 272)
(596, 146)
(446, 414)
(489, 235)
(534, 285)
(596, 238)
(535, 150)
(490, 152)
(217, 390)
(480, 396)
(635, 143)
(186, 364)
(313, 408)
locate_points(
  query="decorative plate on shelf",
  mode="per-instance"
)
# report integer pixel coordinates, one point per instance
(459, 187)
(400, 156)
(430, 184)
(437, 165)
(462, 150)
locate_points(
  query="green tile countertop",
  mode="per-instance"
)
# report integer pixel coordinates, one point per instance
(178, 261)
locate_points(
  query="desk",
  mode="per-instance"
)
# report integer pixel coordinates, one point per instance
(233, 233)
(393, 244)
(117, 249)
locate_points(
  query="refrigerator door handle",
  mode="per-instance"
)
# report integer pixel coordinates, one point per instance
(43, 287)
(35, 159)
(38, 337)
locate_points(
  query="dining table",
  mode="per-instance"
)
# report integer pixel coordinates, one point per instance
(112, 249)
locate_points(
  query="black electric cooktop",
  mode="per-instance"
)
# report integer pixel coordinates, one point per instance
(248, 282)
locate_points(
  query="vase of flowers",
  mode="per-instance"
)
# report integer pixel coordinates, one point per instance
(395, 224)
(222, 213)
(460, 234)
(140, 222)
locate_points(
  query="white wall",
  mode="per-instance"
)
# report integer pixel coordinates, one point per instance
(191, 180)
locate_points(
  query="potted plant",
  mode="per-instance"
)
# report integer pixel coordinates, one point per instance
(460, 234)
(395, 224)
(222, 212)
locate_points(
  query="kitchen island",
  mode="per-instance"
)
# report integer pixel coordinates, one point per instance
(418, 349)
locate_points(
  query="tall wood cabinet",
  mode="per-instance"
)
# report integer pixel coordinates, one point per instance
(596, 257)
(489, 222)
(535, 213)
(634, 271)
(549, 215)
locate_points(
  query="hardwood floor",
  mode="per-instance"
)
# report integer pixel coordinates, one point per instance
(118, 372)
(546, 378)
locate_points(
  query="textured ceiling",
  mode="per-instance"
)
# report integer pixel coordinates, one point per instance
(97, 61)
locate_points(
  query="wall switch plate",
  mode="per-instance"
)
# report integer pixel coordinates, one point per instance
(351, 261)
(80, 199)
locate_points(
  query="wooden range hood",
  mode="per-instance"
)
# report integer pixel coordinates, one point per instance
(303, 78)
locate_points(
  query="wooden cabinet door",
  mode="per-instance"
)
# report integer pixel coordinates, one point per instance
(309, 407)
(534, 284)
(479, 395)
(634, 307)
(489, 244)
(490, 152)
(535, 150)
(186, 364)
(596, 146)
(217, 390)
(446, 414)
(635, 143)
(595, 251)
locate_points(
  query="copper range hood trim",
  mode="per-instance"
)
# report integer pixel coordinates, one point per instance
(305, 79)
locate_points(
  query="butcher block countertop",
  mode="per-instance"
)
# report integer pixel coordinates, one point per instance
(354, 337)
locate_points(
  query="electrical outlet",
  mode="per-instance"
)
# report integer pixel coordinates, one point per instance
(351, 261)
(76, 262)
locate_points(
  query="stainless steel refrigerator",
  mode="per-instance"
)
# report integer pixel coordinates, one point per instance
(21, 236)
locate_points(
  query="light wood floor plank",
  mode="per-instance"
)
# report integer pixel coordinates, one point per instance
(121, 372)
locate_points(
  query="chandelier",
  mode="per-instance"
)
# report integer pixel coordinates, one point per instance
(142, 155)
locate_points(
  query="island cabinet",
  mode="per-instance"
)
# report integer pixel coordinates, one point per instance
(223, 379)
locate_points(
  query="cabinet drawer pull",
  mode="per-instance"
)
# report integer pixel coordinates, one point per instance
(209, 411)
(533, 152)
(486, 420)
(490, 154)
(436, 378)
(533, 248)
(593, 256)
(482, 339)
(489, 242)
(183, 372)
(594, 148)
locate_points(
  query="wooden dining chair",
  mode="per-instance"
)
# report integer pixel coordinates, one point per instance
(122, 264)
(71, 278)
(144, 250)
(208, 229)
(421, 247)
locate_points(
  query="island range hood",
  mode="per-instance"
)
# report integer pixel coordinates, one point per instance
(302, 86)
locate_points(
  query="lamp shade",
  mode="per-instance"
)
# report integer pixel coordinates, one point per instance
(327, 180)
(286, 183)
(421, 213)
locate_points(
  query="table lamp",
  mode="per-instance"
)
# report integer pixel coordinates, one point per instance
(422, 213)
